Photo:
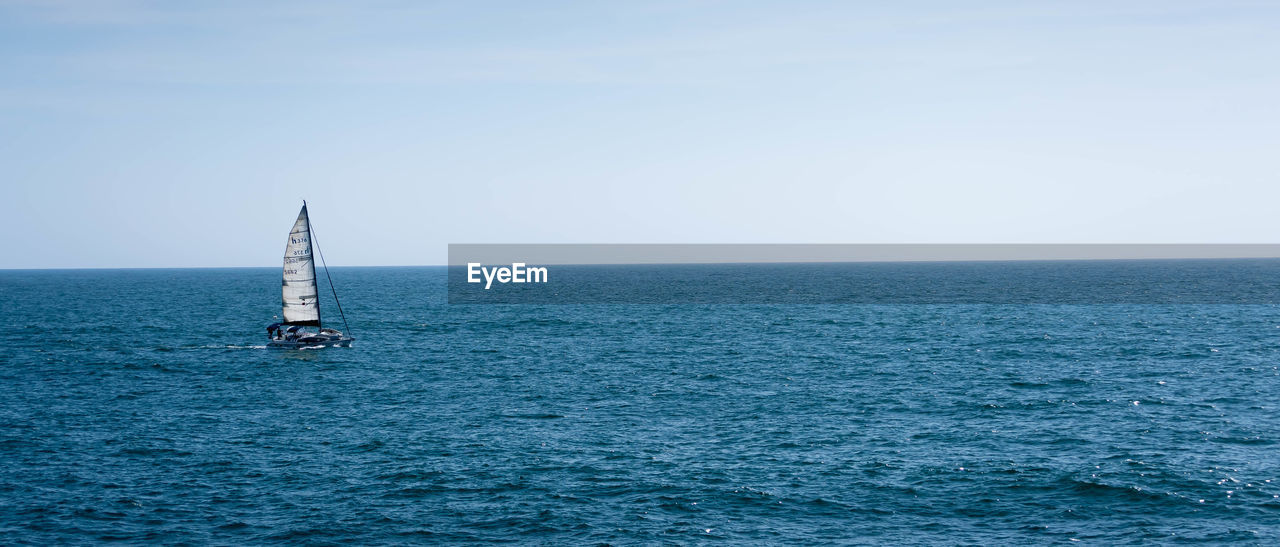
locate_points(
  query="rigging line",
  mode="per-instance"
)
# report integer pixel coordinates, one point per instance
(316, 241)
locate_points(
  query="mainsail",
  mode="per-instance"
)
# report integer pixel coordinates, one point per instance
(300, 296)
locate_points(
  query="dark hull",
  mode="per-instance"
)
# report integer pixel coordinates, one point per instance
(312, 342)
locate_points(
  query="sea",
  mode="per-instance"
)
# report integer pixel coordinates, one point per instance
(143, 406)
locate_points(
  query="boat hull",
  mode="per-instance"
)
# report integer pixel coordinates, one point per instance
(308, 342)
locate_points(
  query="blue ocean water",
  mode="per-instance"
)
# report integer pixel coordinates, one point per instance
(141, 405)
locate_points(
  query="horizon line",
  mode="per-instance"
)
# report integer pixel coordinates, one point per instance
(720, 263)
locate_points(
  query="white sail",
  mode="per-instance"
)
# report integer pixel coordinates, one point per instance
(299, 294)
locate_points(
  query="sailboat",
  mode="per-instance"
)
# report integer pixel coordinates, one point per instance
(300, 295)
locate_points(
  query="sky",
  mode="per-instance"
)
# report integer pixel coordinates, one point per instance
(186, 134)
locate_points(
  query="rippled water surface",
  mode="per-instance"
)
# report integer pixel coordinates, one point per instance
(141, 405)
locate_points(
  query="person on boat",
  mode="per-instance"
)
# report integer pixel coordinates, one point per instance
(272, 329)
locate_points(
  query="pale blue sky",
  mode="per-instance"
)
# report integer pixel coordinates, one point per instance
(186, 133)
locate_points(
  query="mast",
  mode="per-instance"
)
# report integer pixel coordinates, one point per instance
(311, 242)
